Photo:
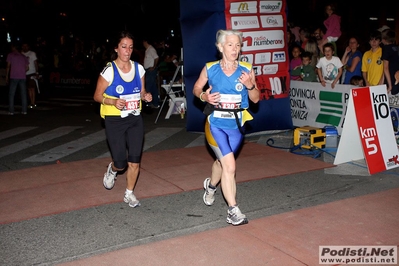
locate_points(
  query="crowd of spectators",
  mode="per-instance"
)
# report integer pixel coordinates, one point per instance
(358, 59)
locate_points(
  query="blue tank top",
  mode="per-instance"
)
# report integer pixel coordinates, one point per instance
(119, 86)
(234, 94)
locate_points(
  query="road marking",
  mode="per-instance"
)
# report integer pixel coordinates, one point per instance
(153, 138)
(200, 141)
(13, 148)
(14, 132)
(67, 148)
(158, 135)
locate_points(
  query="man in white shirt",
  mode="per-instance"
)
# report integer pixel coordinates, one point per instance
(151, 59)
(32, 74)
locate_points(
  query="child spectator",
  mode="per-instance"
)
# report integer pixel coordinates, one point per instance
(329, 67)
(390, 58)
(372, 65)
(357, 81)
(352, 60)
(295, 61)
(306, 71)
(333, 26)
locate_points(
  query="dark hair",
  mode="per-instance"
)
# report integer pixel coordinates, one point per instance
(120, 35)
(306, 54)
(375, 35)
(16, 45)
(329, 45)
(355, 80)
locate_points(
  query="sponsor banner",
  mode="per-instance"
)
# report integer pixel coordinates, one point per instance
(263, 40)
(271, 6)
(245, 22)
(375, 128)
(244, 7)
(272, 21)
(318, 106)
(339, 255)
(264, 33)
(67, 80)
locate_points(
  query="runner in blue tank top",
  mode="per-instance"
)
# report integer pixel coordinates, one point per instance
(120, 91)
(231, 86)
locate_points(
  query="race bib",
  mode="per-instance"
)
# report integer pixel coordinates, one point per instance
(132, 105)
(228, 101)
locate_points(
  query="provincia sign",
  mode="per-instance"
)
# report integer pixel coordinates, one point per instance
(318, 106)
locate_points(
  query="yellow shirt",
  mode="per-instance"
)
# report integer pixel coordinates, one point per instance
(372, 64)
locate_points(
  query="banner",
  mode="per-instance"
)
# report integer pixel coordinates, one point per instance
(318, 106)
(263, 24)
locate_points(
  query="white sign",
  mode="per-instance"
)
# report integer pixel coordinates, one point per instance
(318, 106)
(368, 127)
(244, 22)
(272, 21)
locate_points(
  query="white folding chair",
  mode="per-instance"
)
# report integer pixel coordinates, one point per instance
(175, 94)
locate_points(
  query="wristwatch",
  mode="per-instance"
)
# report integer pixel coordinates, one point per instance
(253, 87)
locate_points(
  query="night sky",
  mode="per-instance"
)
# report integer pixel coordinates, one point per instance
(88, 19)
(95, 20)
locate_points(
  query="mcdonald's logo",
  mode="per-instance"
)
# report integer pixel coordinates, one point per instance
(243, 7)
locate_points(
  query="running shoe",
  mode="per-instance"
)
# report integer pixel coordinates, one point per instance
(109, 177)
(235, 217)
(209, 195)
(131, 200)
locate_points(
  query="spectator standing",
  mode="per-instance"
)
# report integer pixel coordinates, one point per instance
(329, 67)
(120, 91)
(332, 24)
(295, 61)
(294, 29)
(319, 34)
(17, 65)
(231, 86)
(372, 64)
(151, 59)
(304, 35)
(311, 47)
(306, 71)
(168, 62)
(390, 58)
(352, 60)
(32, 75)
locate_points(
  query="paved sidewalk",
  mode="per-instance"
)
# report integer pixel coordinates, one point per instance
(291, 238)
(61, 214)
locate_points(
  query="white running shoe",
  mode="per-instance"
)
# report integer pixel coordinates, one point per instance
(131, 200)
(235, 217)
(209, 195)
(109, 177)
